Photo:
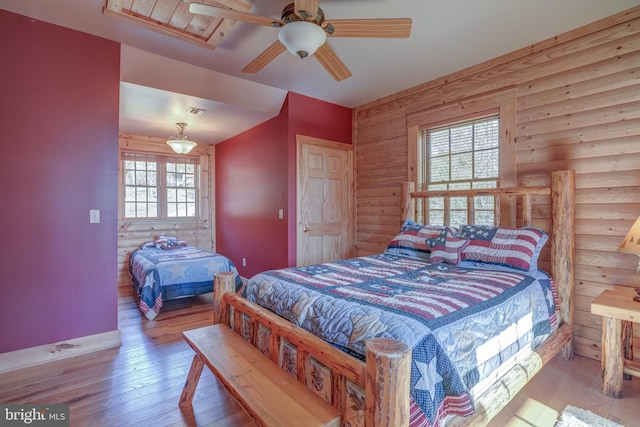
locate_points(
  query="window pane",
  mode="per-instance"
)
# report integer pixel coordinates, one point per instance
(141, 178)
(141, 194)
(171, 179)
(458, 203)
(191, 168)
(182, 209)
(153, 210)
(191, 195)
(486, 164)
(152, 194)
(191, 209)
(129, 210)
(436, 217)
(461, 166)
(141, 209)
(171, 195)
(181, 195)
(461, 139)
(129, 177)
(483, 203)
(487, 134)
(151, 178)
(458, 218)
(439, 169)
(171, 167)
(439, 143)
(130, 194)
(484, 218)
(171, 210)
(180, 167)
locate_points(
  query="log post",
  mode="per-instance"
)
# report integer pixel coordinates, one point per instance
(627, 343)
(387, 383)
(223, 282)
(563, 246)
(406, 202)
(612, 360)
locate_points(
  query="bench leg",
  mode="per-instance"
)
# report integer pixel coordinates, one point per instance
(192, 382)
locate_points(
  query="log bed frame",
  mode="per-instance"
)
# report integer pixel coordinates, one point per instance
(385, 377)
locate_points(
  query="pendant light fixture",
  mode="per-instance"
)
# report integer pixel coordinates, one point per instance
(180, 143)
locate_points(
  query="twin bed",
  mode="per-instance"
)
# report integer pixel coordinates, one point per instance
(478, 315)
(167, 269)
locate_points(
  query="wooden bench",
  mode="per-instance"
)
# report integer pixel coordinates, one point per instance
(269, 394)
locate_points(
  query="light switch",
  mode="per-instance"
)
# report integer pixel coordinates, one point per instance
(281, 213)
(94, 216)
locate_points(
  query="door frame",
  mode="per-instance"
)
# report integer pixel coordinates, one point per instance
(310, 140)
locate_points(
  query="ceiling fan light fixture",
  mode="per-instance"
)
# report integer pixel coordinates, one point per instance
(181, 144)
(302, 38)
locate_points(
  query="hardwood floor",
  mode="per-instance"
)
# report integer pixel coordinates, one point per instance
(140, 382)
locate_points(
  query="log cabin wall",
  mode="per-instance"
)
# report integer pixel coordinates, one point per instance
(199, 233)
(577, 106)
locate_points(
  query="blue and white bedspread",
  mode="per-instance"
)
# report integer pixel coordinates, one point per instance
(460, 321)
(159, 275)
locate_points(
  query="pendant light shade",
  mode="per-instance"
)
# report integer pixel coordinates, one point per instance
(181, 144)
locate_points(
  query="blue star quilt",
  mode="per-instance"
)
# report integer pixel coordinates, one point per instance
(159, 275)
(461, 321)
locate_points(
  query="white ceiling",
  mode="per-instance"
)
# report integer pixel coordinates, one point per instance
(163, 76)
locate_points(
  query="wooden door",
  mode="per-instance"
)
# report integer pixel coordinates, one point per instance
(324, 200)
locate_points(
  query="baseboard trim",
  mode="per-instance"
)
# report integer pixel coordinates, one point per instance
(60, 350)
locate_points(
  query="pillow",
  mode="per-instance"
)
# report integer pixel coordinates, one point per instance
(412, 240)
(168, 243)
(447, 247)
(516, 248)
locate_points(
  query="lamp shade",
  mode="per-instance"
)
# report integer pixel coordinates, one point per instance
(631, 242)
(181, 146)
(302, 38)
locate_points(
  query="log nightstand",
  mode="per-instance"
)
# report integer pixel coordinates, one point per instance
(618, 311)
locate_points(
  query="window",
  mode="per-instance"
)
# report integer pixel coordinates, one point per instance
(457, 157)
(157, 187)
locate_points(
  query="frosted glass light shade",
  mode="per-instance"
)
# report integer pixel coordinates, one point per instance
(181, 146)
(302, 38)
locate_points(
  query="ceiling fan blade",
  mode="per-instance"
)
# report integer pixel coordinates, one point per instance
(236, 15)
(382, 28)
(265, 57)
(306, 9)
(332, 63)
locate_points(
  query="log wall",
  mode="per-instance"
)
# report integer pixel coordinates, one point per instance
(200, 233)
(577, 100)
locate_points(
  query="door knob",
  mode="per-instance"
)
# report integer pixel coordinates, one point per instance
(306, 229)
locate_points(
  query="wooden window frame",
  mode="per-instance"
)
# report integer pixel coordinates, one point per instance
(162, 188)
(503, 104)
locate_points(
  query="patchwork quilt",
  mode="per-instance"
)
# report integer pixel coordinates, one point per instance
(159, 275)
(461, 321)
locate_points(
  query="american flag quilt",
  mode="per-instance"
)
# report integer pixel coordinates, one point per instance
(159, 275)
(461, 321)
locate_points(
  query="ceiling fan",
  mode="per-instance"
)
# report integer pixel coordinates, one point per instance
(304, 31)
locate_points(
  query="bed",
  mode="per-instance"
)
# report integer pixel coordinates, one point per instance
(399, 355)
(168, 268)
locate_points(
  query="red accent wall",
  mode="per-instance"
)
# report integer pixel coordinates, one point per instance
(256, 176)
(58, 160)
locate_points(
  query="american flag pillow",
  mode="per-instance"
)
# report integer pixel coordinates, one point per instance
(412, 240)
(516, 248)
(446, 247)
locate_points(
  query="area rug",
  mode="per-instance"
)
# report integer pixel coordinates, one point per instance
(576, 417)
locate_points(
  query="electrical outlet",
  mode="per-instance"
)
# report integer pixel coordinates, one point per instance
(280, 213)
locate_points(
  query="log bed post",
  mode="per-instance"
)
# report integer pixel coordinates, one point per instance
(563, 247)
(224, 282)
(407, 204)
(387, 383)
